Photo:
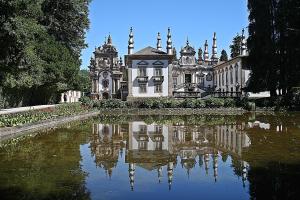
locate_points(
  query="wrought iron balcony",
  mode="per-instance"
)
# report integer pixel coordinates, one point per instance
(158, 79)
(142, 79)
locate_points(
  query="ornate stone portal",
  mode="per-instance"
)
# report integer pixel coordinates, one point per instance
(106, 72)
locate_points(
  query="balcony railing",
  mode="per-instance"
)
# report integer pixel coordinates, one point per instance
(158, 78)
(142, 79)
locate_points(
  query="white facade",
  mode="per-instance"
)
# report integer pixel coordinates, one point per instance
(148, 137)
(152, 70)
(231, 77)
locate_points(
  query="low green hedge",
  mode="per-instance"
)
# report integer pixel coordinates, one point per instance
(157, 103)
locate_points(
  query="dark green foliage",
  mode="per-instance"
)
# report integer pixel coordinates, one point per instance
(224, 56)
(157, 103)
(229, 102)
(235, 47)
(214, 102)
(273, 44)
(40, 48)
(83, 82)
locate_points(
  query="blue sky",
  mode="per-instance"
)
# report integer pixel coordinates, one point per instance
(195, 19)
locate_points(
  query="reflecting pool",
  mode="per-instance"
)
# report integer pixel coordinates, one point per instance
(251, 156)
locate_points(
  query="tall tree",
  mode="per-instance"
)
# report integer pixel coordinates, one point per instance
(261, 46)
(273, 50)
(224, 56)
(40, 48)
(235, 47)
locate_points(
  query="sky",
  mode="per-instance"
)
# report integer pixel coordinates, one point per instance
(196, 20)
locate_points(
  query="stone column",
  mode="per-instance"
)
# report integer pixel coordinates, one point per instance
(170, 81)
(130, 85)
(113, 86)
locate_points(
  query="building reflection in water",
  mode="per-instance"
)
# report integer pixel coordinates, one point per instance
(154, 147)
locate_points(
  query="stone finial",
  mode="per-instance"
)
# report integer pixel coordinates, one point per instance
(109, 40)
(158, 44)
(130, 42)
(214, 56)
(206, 55)
(243, 45)
(169, 42)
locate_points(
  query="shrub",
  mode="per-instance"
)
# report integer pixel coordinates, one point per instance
(158, 103)
(228, 102)
(214, 102)
(87, 101)
(172, 103)
(188, 103)
(199, 103)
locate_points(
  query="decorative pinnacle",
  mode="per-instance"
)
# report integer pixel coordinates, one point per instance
(130, 42)
(158, 44)
(109, 40)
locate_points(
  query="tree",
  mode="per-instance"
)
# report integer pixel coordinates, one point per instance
(84, 82)
(273, 52)
(224, 56)
(40, 44)
(235, 47)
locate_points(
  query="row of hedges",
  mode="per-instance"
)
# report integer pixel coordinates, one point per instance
(156, 103)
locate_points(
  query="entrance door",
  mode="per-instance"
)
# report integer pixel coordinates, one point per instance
(105, 95)
(188, 78)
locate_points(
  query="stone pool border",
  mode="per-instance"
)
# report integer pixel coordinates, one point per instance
(11, 132)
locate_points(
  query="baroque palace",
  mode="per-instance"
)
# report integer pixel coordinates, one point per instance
(152, 72)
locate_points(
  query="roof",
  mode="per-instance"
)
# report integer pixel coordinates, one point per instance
(150, 51)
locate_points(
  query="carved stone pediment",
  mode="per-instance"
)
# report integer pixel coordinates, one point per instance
(158, 63)
(143, 63)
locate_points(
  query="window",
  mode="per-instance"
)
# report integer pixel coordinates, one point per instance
(143, 145)
(209, 77)
(201, 81)
(231, 75)
(158, 88)
(143, 88)
(157, 71)
(105, 83)
(143, 129)
(142, 71)
(223, 78)
(236, 73)
(226, 77)
(158, 129)
(219, 79)
(175, 81)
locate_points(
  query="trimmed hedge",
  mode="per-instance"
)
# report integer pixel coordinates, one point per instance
(157, 103)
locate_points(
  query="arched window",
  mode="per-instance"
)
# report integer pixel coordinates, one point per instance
(236, 73)
(223, 83)
(231, 75)
(226, 77)
(105, 83)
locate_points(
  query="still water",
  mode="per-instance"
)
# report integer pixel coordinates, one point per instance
(252, 156)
